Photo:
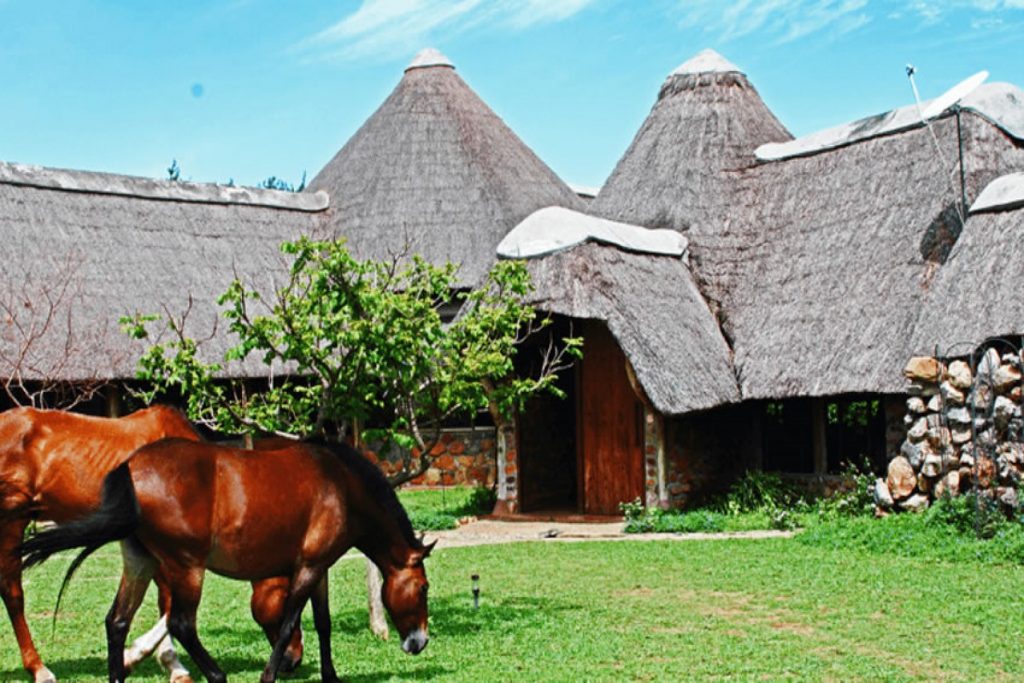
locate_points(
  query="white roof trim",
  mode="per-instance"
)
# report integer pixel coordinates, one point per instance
(165, 190)
(1003, 193)
(1000, 103)
(429, 57)
(555, 229)
(589, 191)
(706, 62)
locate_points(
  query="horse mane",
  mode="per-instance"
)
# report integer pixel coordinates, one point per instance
(376, 485)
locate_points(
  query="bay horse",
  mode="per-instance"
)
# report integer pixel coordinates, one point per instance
(52, 465)
(180, 507)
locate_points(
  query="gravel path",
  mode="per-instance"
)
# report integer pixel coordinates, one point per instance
(489, 532)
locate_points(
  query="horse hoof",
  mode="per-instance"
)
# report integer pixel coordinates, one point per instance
(290, 663)
(44, 675)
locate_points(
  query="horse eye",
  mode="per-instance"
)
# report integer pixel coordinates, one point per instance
(423, 589)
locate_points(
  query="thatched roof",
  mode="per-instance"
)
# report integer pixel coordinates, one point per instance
(706, 123)
(977, 294)
(434, 171)
(99, 246)
(839, 250)
(654, 310)
(815, 265)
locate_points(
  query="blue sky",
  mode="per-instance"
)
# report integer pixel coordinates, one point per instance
(245, 89)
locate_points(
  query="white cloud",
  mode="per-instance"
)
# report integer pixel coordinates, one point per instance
(780, 20)
(386, 28)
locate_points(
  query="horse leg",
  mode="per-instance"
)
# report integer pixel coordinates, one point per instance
(137, 572)
(158, 640)
(12, 530)
(267, 605)
(302, 584)
(322, 621)
(186, 591)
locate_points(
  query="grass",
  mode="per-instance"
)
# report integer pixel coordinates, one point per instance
(435, 509)
(775, 609)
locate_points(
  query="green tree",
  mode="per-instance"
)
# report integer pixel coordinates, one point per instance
(348, 342)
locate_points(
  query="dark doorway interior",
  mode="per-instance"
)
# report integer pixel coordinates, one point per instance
(547, 451)
(547, 432)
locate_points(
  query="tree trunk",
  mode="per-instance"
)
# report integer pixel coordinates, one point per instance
(374, 582)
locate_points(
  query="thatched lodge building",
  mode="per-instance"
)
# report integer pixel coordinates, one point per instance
(802, 275)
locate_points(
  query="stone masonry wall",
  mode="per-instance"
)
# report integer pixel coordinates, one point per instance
(463, 457)
(964, 431)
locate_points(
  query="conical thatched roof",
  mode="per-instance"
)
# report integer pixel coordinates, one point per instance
(92, 247)
(654, 310)
(814, 265)
(977, 294)
(434, 171)
(705, 125)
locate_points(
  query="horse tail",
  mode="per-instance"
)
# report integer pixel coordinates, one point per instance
(116, 519)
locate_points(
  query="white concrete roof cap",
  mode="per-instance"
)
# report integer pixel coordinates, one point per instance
(429, 57)
(704, 62)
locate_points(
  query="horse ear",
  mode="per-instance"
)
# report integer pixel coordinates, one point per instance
(428, 548)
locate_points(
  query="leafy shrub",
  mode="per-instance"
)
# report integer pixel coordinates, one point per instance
(481, 501)
(969, 514)
(433, 520)
(853, 497)
(760, 492)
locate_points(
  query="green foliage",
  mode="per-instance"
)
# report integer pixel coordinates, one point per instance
(759, 491)
(360, 340)
(275, 183)
(853, 497)
(938, 536)
(969, 514)
(174, 171)
(437, 509)
(854, 413)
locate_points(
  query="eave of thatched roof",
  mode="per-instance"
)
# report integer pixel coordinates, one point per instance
(435, 172)
(830, 257)
(102, 246)
(160, 190)
(976, 295)
(654, 310)
(815, 266)
(999, 103)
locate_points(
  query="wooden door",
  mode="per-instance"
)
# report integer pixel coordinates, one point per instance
(610, 430)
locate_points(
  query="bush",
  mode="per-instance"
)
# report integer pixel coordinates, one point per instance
(760, 492)
(969, 514)
(853, 498)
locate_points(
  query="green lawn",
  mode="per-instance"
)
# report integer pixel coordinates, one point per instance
(635, 610)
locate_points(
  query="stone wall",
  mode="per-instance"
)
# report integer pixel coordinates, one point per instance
(463, 457)
(964, 431)
(706, 452)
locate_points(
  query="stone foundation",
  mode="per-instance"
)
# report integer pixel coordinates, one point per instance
(963, 431)
(464, 457)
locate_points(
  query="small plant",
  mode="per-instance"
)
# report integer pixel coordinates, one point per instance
(853, 497)
(970, 514)
(481, 501)
(763, 492)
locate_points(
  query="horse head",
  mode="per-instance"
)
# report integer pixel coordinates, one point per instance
(405, 596)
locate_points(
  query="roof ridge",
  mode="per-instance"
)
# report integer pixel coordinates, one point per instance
(428, 57)
(704, 62)
(94, 182)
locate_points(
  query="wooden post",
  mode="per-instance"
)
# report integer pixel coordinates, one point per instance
(113, 396)
(820, 443)
(658, 437)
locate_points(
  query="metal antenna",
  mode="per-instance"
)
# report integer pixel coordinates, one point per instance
(961, 207)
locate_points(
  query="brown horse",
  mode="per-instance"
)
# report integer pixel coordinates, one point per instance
(181, 507)
(52, 465)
